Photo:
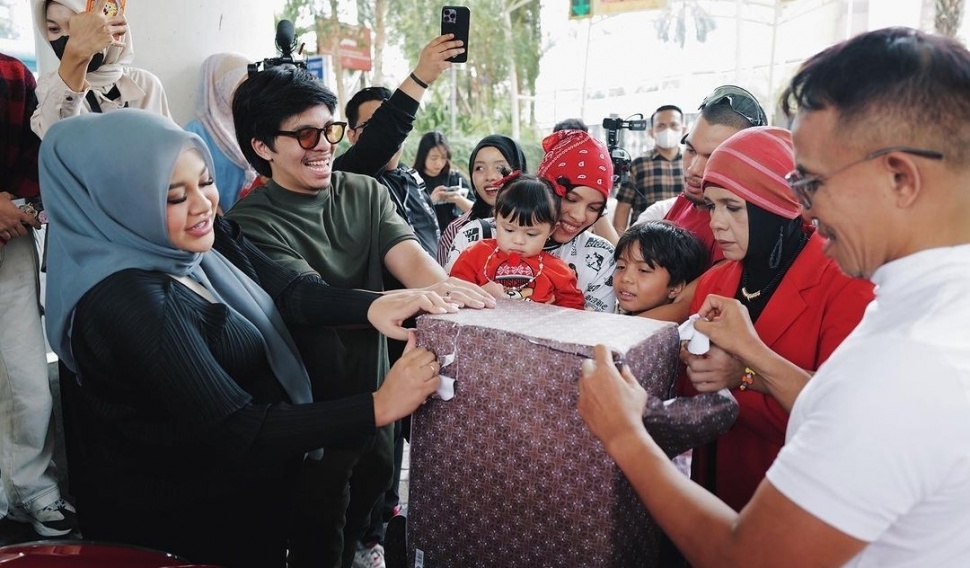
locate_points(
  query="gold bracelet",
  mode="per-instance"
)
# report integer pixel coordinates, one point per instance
(747, 379)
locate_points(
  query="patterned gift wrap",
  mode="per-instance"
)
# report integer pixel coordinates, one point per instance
(506, 474)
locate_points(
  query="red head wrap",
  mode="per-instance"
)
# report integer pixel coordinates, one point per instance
(572, 159)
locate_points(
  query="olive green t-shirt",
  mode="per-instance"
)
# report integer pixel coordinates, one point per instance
(342, 233)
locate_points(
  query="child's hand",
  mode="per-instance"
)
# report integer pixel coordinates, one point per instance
(495, 289)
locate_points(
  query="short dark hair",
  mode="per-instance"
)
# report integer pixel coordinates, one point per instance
(723, 115)
(266, 99)
(570, 124)
(528, 200)
(663, 108)
(668, 246)
(891, 86)
(352, 110)
(429, 141)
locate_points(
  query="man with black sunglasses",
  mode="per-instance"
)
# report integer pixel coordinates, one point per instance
(876, 466)
(344, 227)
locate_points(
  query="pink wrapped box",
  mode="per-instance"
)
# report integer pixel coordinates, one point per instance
(506, 473)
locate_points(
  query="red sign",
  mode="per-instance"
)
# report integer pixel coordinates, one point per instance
(355, 43)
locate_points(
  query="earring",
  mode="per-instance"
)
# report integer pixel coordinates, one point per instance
(775, 258)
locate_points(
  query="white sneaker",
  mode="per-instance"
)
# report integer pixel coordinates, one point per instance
(57, 519)
(369, 556)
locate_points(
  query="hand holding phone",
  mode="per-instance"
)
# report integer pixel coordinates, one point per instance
(457, 20)
(110, 8)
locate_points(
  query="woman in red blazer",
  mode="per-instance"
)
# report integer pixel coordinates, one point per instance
(777, 307)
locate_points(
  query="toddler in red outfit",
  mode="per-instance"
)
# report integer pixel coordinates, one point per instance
(513, 265)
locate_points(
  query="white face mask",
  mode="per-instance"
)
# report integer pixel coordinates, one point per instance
(668, 138)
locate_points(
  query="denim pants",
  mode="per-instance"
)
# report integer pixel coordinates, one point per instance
(26, 432)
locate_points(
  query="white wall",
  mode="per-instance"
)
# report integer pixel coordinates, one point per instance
(171, 39)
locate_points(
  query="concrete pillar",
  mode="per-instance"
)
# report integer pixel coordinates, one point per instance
(171, 39)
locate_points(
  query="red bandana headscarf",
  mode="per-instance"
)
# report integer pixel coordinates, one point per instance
(572, 159)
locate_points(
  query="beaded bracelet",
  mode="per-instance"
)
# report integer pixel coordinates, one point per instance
(747, 379)
(420, 83)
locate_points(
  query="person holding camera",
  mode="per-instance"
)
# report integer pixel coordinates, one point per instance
(449, 189)
(656, 176)
(95, 73)
(378, 123)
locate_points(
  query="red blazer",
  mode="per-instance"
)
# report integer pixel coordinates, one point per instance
(555, 280)
(813, 309)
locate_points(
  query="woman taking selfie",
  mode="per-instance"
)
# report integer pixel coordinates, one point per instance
(190, 412)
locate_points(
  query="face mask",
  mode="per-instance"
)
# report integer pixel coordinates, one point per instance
(60, 44)
(668, 138)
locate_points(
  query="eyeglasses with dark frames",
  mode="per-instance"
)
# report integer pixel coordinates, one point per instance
(309, 136)
(804, 186)
(360, 126)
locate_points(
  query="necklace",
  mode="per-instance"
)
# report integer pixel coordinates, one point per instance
(510, 288)
(751, 296)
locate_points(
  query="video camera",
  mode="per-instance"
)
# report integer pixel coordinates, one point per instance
(620, 157)
(285, 43)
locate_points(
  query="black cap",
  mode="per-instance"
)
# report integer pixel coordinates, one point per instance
(740, 101)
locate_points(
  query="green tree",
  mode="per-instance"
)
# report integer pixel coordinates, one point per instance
(6, 22)
(480, 97)
(949, 13)
(503, 63)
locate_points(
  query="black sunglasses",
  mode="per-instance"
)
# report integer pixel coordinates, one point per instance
(309, 136)
(740, 101)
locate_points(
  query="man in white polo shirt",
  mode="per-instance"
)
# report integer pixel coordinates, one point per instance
(876, 468)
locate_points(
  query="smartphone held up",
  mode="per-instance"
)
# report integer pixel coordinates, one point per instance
(456, 20)
(111, 7)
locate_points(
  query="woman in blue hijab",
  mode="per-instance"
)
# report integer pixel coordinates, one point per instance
(190, 411)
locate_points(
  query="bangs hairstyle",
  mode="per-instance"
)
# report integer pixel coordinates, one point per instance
(266, 99)
(528, 200)
(891, 86)
(430, 141)
(663, 244)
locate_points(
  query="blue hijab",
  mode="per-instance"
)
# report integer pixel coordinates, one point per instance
(105, 181)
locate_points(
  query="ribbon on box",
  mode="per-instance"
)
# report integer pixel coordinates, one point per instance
(697, 342)
(446, 389)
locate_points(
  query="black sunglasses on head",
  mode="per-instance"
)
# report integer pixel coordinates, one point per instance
(740, 101)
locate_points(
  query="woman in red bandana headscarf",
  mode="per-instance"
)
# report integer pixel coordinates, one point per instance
(778, 307)
(581, 172)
